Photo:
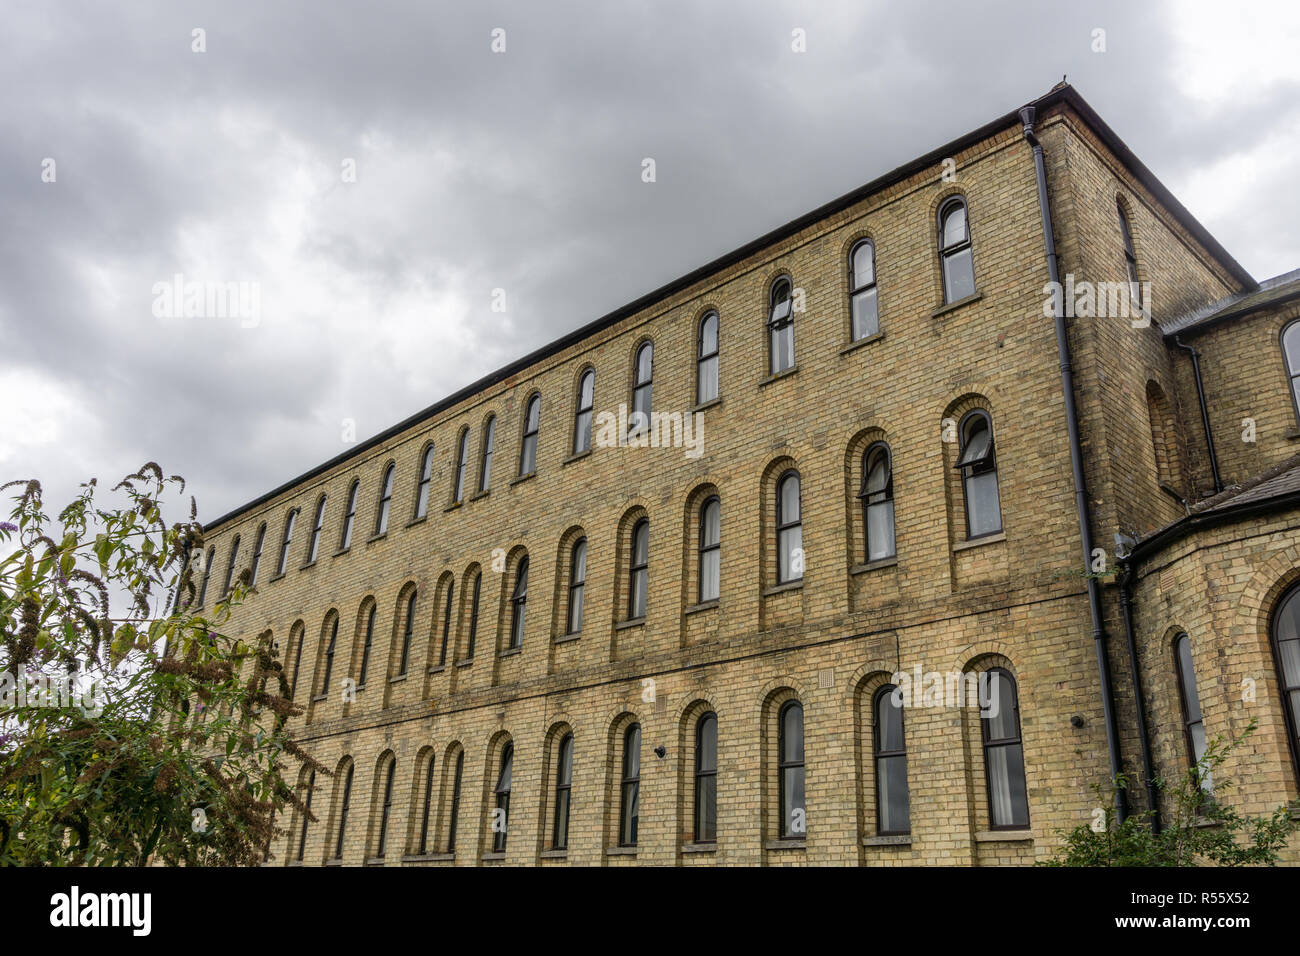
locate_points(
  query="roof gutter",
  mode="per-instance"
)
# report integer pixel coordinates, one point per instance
(1076, 466)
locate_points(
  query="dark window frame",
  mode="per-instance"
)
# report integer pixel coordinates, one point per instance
(629, 806)
(344, 807)
(424, 482)
(981, 465)
(487, 452)
(291, 519)
(501, 794)
(330, 649)
(563, 793)
(783, 525)
(386, 810)
(951, 251)
(879, 754)
(385, 498)
(257, 555)
(707, 549)
(349, 515)
(408, 632)
(577, 586)
(777, 325)
(876, 499)
(423, 846)
(638, 580)
(583, 414)
(1185, 702)
(446, 621)
(462, 463)
(519, 604)
(230, 565)
(701, 357)
(988, 744)
(701, 775)
(638, 419)
(473, 614)
(857, 288)
(786, 831)
(317, 526)
(1290, 714)
(532, 427)
(366, 646)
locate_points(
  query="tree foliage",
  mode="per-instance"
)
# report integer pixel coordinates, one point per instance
(170, 743)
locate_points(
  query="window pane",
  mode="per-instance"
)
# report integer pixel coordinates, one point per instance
(958, 275)
(866, 321)
(1002, 721)
(789, 499)
(706, 809)
(1191, 699)
(954, 225)
(710, 575)
(864, 266)
(1289, 651)
(880, 531)
(1007, 800)
(782, 348)
(889, 722)
(1291, 346)
(790, 567)
(708, 387)
(528, 462)
(891, 778)
(982, 504)
(877, 473)
(711, 526)
(636, 607)
(709, 335)
(792, 735)
(641, 543)
(707, 749)
(644, 363)
(792, 823)
(582, 433)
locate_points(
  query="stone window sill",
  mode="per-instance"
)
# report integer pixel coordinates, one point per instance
(333, 862)
(319, 697)
(375, 861)
(481, 495)
(489, 857)
(699, 848)
(954, 306)
(511, 652)
(785, 845)
(429, 858)
(397, 678)
(341, 551)
(1004, 836)
(309, 564)
(465, 663)
(437, 669)
(630, 623)
(453, 506)
(418, 520)
(782, 588)
(620, 851)
(898, 839)
(377, 537)
(980, 541)
(787, 373)
(866, 340)
(554, 854)
(703, 606)
(568, 638)
(874, 565)
(273, 578)
(577, 457)
(522, 478)
(711, 403)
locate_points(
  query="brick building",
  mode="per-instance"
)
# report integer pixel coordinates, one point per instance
(582, 637)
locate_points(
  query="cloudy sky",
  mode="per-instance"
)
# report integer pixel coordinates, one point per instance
(518, 170)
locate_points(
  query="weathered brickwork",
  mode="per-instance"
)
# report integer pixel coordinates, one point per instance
(1013, 600)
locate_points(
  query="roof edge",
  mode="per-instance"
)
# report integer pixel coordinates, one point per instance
(1062, 93)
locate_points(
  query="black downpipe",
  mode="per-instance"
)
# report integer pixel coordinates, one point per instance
(1148, 767)
(1076, 465)
(1205, 413)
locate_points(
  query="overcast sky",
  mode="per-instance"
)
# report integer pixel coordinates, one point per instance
(518, 170)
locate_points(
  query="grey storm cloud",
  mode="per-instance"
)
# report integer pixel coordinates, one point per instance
(476, 171)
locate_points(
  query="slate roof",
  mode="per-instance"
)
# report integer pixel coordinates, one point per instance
(1270, 292)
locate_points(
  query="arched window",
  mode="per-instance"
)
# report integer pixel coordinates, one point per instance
(638, 570)
(501, 818)
(955, 251)
(423, 846)
(365, 647)
(519, 604)
(563, 790)
(1291, 356)
(207, 574)
(313, 544)
(1130, 256)
(385, 500)
(446, 622)
(630, 787)
(408, 630)
(789, 529)
(485, 465)
(706, 361)
(344, 807)
(979, 471)
(1193, 722)
(454, 816)
(329, 656)
(532, 422)
(230, 566)
(422, 484)
(1286, 652)
(582, 417)
(1004, 754)
(349, 515)
(893, 813)
(577, 585)
(862, 290)
(473, 613)
(257, 554)
(780, 325)
(642, 389)
(706, 779)
(710, 549)
(306, 817)
(877, 497)
(790, 767)
(282, 565)
(297, 659)
(386, 810)
(462, 462)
